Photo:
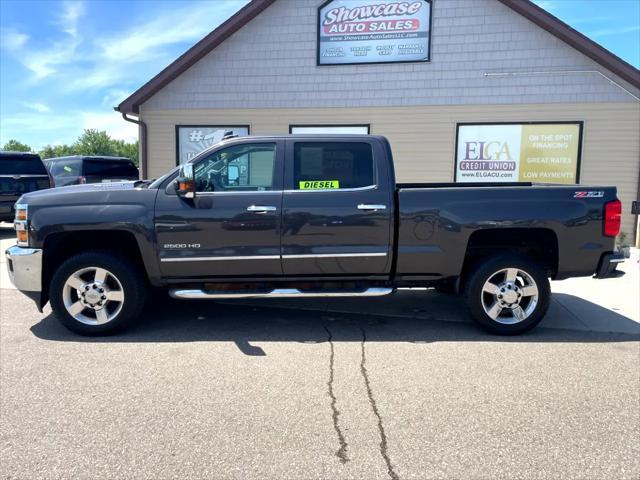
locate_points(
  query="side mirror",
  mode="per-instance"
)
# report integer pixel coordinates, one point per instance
(186, 183)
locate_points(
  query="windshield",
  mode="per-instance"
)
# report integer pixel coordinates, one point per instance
(21, 165)
(110, 168)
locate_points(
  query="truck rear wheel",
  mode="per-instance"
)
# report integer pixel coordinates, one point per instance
(97, 293)
(508, 294)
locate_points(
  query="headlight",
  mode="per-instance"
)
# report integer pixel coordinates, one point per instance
(21, 224)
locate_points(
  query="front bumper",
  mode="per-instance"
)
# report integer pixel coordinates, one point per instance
(607, 268)
(25, 268)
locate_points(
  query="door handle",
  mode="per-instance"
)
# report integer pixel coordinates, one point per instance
(261, 208)
(374, 208)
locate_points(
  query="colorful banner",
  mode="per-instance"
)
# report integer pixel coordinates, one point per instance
(373, 31)
(538, 152)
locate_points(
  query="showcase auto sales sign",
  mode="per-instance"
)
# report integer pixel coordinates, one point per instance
(373, 31)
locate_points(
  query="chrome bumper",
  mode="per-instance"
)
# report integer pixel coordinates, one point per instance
(25, 268)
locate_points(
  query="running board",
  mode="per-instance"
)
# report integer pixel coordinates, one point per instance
(277, 293)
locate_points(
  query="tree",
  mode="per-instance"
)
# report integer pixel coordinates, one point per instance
(16, 146)
(91, 142)
(95, 142)
(54, 151)
(129, 150)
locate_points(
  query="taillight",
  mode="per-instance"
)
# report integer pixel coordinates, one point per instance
(612, 218)
(82, 180)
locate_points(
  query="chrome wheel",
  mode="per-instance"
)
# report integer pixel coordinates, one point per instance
(509, 296)
(93, 296)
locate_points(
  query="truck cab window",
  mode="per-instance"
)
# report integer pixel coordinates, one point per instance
(332, 165)
(240, 168)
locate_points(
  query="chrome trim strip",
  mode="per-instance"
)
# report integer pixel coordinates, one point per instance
(278, 293)
(335, 255)
(216, 259)
(617, 260)
(272, 257)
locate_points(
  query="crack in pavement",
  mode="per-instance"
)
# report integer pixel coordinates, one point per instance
(341, 453)
(383, 436)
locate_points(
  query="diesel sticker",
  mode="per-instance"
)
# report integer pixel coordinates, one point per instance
(319, 184)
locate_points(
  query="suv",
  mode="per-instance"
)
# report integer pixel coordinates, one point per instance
(20, 173)
(79, 169)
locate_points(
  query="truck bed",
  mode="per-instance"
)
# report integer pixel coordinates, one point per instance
(438, 221)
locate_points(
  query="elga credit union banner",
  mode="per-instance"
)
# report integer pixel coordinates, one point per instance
(373, 31)
(541, 152)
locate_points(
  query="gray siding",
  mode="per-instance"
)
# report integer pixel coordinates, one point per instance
(271, 63)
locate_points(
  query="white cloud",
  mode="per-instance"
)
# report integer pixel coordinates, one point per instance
(37, 107)
(64, 127)
(12, 40)
(184, 25)
(114, 96)
(113, 123)
(68, 19)
(606, 32)
(44, 62)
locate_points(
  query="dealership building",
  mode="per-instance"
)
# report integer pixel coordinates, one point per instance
(465, 90)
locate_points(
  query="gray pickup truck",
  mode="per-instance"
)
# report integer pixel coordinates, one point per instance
(306, 216)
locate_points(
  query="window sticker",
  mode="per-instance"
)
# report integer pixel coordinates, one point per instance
(319, 184)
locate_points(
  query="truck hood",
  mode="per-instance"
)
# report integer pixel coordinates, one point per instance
(93, 193)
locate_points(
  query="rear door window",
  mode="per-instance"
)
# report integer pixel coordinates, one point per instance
(22, 165)
(65, 168)
(109, 169)
(332, 165)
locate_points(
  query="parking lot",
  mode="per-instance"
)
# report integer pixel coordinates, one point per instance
(397, 387)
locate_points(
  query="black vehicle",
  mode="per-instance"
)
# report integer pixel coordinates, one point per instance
(80, 169)
(20, 173)
(307, 216)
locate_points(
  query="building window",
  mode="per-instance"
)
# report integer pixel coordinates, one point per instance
(332, 165)
(329, 129)
(192, 139)
(538, 152)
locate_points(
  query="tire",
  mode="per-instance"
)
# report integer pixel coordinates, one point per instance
(502, 305)
(90, 302)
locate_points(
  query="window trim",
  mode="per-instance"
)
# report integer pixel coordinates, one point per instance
(327, 125)
(178, 126)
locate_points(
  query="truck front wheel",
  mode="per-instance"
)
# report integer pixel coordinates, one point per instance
(508, 294)
(97, 293)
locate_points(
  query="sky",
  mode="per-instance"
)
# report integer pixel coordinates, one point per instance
(64, 65)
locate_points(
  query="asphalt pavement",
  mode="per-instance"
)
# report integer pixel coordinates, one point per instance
(302, 391)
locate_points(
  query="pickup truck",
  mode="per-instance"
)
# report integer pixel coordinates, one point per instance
(306, 216)
(20, 173)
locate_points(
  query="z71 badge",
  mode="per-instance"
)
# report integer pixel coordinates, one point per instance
(588, 195)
